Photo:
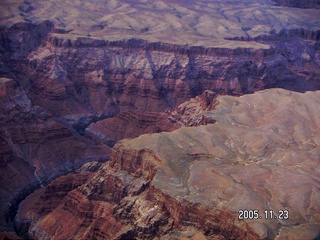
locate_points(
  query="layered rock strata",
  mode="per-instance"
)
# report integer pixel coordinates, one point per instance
(193, 182)
(64, 88)
(72, 87)
(86, 80)
(45, 200)
(35, 148)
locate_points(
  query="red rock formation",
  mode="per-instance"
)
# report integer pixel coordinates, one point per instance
(193, 181)
(66, 86)
(87, 81)
(35, 148)
(45, 200)
(117, 205)
(150, 76)
(130, 124)
(194, 112)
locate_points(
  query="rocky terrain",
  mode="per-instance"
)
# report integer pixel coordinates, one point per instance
(35, 147)
(196, 23)
(75, 83)
(298, 3)
(193, 181)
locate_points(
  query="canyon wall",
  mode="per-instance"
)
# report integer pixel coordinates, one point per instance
(66, 101)
(192, 182)
(85, 80)
(35, 147)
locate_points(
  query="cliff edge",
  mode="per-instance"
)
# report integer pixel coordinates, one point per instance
(260, 155)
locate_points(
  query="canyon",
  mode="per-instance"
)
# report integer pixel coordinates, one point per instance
(110, 132)
(193, 181)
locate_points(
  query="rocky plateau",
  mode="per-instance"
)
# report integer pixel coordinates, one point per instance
(191, 183)
(159, 120)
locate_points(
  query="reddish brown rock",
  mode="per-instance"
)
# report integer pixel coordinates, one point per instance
(91, 81)
(45, 200)
(130, 124)
(9, 236)
(192, 182)
(194, 112)
(77, 89)
(35, 148)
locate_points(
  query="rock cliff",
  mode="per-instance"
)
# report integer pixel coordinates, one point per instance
(107, 91)
(88, 83)
(192, 182)
(35, 147)
(74, 84)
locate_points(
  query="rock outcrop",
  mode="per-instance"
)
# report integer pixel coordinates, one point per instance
(193, 182)
(195, 111)
(71, 87)
(35, 147)
(45, 200)
(87, 81)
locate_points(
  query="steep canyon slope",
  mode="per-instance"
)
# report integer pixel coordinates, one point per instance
(193, 181)
(35, 147)
(75, 83)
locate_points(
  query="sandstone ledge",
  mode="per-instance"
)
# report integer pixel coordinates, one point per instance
(262, 153)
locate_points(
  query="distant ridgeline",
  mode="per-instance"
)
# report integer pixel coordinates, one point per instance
(298, 3)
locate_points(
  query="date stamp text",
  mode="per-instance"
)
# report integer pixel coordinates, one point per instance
(266, 214)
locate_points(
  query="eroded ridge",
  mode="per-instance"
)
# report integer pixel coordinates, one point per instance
(261, 153)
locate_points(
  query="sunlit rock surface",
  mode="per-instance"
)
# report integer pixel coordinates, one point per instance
(201, 23)
(91, 73)
(262, 153)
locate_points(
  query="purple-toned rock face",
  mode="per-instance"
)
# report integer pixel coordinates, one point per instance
(198, 180)
(77, 83)
(298, 3)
